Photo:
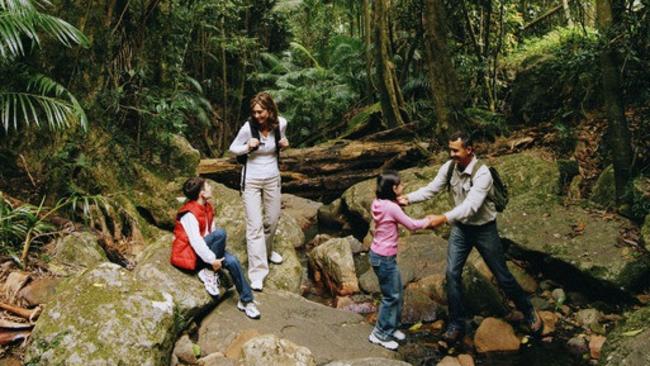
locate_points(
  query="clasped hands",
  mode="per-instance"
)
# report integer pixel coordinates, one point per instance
(434, 220)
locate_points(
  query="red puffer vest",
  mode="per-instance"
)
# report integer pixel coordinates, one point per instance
(183, 255)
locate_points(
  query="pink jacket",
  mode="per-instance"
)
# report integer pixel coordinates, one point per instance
(387, 214)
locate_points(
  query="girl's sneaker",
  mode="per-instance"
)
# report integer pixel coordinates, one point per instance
(250, 309)
(390, 345)
(210, 280)
(399, 335)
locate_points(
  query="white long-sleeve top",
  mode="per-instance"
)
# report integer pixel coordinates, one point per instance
(471, 205)
(263, 162)
(191, 226)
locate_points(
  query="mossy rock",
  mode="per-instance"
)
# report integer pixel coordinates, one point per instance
(105, 317)
(183, 156)
(604, 190)
(645, 231)
(581, 245)
(76, 252)
(629, 342)
(153, 267)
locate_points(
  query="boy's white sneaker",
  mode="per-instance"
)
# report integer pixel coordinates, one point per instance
(275, 258)
(390, 345)
(399, 335)
(250, 309)
(210, 280)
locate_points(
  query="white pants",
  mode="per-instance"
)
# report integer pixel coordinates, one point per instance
(262, 200)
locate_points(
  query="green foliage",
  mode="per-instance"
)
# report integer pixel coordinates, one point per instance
(486, 124)
(27, 96)
(17, 224)
(559, 42)
(21, 19)
(312, 96)
(558, 75)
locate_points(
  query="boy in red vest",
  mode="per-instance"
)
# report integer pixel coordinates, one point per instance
(196, 234)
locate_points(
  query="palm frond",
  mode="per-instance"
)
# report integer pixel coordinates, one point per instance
(20, 19)
(298, 47)
(44, 99)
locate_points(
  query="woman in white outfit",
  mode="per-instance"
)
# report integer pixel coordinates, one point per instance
(261, 183)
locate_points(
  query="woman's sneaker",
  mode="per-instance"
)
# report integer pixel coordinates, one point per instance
(250, 309)
(210, 280)
(391, 345)
(275, 258)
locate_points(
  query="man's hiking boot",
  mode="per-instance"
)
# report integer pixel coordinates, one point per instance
(390, 344)
(535, 324)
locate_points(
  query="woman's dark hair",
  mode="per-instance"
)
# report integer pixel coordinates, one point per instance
(192, 188)
(385, 183)
(265, 101)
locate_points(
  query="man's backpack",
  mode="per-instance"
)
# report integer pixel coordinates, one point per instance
(499, 192)
(255, 133)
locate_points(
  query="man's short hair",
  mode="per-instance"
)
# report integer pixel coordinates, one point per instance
(192, 187)
(465, 137)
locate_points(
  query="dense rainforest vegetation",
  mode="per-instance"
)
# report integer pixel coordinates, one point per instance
(97, 96)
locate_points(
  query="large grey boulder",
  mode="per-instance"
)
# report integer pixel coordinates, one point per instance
(329, 333)
(108, 315)
(629, 342)
(578, 247)
(105, 317)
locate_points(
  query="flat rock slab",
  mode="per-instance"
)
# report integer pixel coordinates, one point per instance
(330, 334)
(584, 246)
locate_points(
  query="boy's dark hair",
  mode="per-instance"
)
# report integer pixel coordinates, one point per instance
(385, 183)
(465, 137)
(192, 187)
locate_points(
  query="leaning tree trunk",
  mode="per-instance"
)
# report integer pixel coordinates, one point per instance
(367, 43)
(390, 94)
(618, 132)
(442, 76)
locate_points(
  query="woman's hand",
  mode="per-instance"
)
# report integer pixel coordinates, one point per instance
(283, 143)
(253, 144)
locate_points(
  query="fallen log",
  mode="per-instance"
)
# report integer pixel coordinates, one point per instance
(325, 171)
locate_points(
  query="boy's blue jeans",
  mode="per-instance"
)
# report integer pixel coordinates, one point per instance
(486, 240)
(216, 241)
(390, 283)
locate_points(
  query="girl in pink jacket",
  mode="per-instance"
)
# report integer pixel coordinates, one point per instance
(386, 214)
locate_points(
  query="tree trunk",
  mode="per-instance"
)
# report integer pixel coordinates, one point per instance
(390, 94)
(567, 12)
(618, 132)
(442, 76)
(367, 43)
